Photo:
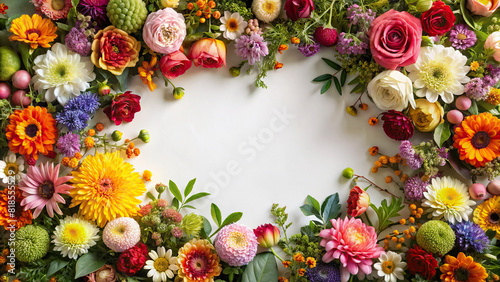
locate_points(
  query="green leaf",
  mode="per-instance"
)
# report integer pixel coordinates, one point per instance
(56, 265)
(175, 190)
(75, 3)
(326, 86)
(232, 218)
(87, 264)
(308, 210)
(262, 268)
(322, 77)
(343, 77)
(332, 64)
(130, 279)
(207, 228)
(473, 108)
(189, 187)
(150, 196)
(442, 133)
(466, 16)
(360, 88)
(337, 85)
(216, 215)
(175, 203)
(313, 202)
(188, 207)
(196, 196)
(330, 207)
(354, 81)
(491, 234)
(386, 212)
(122, 79)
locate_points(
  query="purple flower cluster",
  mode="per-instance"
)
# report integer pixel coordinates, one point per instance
(461, 37)
(323, 272)
(470, 237)
(309, 50)
(251, 48)
(407, 152)
(96, 9)
(77, 41)
(68, 144)
(78, 110)
(477, 89)
(87, 102)
(360, 18)
(414, 188)
(349, 44)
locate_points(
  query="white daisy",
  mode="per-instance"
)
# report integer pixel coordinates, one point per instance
(390, 267)
(266, 10)
(11, 168)
(161, 265)
(448, 197)
(233, 25)
(439, 71)
(62, 73)
(74, 236)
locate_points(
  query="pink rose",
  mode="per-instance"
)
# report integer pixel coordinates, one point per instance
(208, 53)
(174, 64)
(478, 7)
(395, 39)
(164, 31)
(296, 9)
(493, 42)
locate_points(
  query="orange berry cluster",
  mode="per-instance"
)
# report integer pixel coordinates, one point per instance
(389, 162)
(72, 162)
(203, 9)
(131, 150)
(399, 238)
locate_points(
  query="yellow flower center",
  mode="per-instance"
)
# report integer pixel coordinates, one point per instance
(161, 264)
(450, 197)
(485, 2)
(74, 233)
(436, 75)
(268, 7)
(237, 240)
(461, 36)
(232, 25)
(60, 73)
(119, 230)
(11, 167)
(388, 267)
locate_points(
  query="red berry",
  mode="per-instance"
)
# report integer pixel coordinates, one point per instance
(325, 36)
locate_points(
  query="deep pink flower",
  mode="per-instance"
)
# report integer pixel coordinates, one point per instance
(123, 107)
(267, 235)
(358, 201)
(174, 64)
(397, 126)
(296, 9)
(353, 243)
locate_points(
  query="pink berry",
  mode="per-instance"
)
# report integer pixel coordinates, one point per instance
(455, 116)
(463, 103)
(494, 187)
(477, 191)
(325, 36)
(19, 98)
(4, 90)
(21, 79)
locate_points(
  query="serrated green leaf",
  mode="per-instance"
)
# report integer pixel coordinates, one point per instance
(55, 266)
(262, 268)
(326, 86)
(216, 214)
(232, 218)
(87, 264)
(337, 85)
(189, 187)
(196, 196)
(330, 207)
(322, 77)
(343, 77)
(332, 64)
(175, 190)
(442, 133)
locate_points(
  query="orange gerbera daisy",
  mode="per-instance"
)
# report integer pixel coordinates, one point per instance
(31, 131)
(462, 268)
(33, 30)
(13, 216)
(477, 139)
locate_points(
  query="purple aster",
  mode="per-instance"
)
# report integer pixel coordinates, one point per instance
(349, 44)
(69, 144)
(323, 272)
(461, 37)
(87, 102)
(414, 188)
(77, 41)
(360, 18)
(470, 237)
(251, 48)
(476, 89)
(73, 120)
(96, 9)
(309, 50)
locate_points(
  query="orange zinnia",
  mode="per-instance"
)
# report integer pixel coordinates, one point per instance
(33, 30)
(17, 218)
(477, 139)
(31, 131)
(462, 268)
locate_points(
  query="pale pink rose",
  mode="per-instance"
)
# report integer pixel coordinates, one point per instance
(493, 42)
(478, 7)
(174, 64)
(164, 31)
(395, 39)
(208, 53)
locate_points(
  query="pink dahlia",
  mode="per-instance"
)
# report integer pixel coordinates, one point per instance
(236, 244)
(354, 243)
(121, 234)
(53, 9)
(42, 187)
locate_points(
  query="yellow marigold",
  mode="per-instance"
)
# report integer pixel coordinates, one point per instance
(198, 252)
(301, 272)
(91, 132)
(474, 66)
(487, 215)
(147, 175)
(311, 262)
(33, 30)
(89, 142)
(494, 97)
(106, 187)
(462, 268)
(73, 163)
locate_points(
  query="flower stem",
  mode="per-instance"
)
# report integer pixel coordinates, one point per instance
(275, 254)
(378, 187)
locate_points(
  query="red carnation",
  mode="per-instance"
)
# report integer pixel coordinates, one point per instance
(133, 259)
(358, 202)
(421, 262)
(438, 20)
(397, 126)
(123, 107)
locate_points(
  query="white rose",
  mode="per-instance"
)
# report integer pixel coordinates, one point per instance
(391, 90)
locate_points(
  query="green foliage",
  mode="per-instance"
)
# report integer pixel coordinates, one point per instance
(180, 202)
(442, 133)
(328, 210)
(87, 264)
(386, 212)
(262, 268)
(217, 218)
(235, 6)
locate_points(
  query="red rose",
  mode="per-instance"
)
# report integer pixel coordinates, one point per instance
(296, 9)
(174, 64)
(438, 20)
(133, 259)
(123, 108)
(421, 262)
(358, 201)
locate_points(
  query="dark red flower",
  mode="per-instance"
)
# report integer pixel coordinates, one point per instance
(438, 20)
(123, 108)
(296, 9)
(133, 259)
(397, 126)
(421, 262)
(358, 201)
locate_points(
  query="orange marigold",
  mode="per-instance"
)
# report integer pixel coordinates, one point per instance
(311, 262)
(373, 121)
(299, 257)
(301, 271)
(286, 263)
(147, 71)
(462, 268)
(373, 150)
(33, 30)
(31, 131)
(13, 216)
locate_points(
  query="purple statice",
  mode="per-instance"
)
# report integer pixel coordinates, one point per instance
(251, 48)
(309, 50)
(414, 188)
(77, 41)
(407, 152)
(68, 144)
(349, 44)
(461, 37)
(476, 89)
(96, 9)
(358, 17)
(87, 102)
(470, 237)
(323, 272)
(74, 120)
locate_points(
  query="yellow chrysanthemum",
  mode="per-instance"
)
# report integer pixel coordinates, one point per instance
(106, 187)
(487, 215)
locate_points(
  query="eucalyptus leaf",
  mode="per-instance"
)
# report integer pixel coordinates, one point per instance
(262, 268)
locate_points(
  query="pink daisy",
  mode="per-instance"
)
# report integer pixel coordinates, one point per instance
(42, 187)
(54, 9)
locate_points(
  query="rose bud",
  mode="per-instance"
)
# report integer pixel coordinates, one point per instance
(267, 235)
(358, 202)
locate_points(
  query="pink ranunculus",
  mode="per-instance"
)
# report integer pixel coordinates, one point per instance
(174, 64)
(395, 39)
(164, 31)
(477, 7)
(358, 201)
(296, 9)
(353, 243)
(493, 42)
(208, 53)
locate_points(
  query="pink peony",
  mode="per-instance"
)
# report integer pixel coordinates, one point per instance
(395, 39)
(164, 31)
(477, 7)
(354, 243)
(174, 64)
(236, 244)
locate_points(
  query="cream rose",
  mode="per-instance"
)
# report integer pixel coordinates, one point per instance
(426, 116)
(493, 42)
(483, 8)
(391, 90)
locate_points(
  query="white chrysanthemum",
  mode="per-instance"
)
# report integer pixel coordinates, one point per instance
(448, 197)
(161, 265)
(439, 71)
(266, 10)
(233, 25)
(74, 236)
(11, 168)
(62, 73)
(390, 267)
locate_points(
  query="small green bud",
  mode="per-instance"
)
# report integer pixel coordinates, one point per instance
(116, 135)
(352, 111)
(424, 5)
(348, 173)
(178, 92)
(427, 41)
(160, 188)
(144, 136)
(234, 71)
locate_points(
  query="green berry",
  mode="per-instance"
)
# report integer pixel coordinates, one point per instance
(144, 136)
(32, 243)
(127, 15)
(436, 236)
(348, 173)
